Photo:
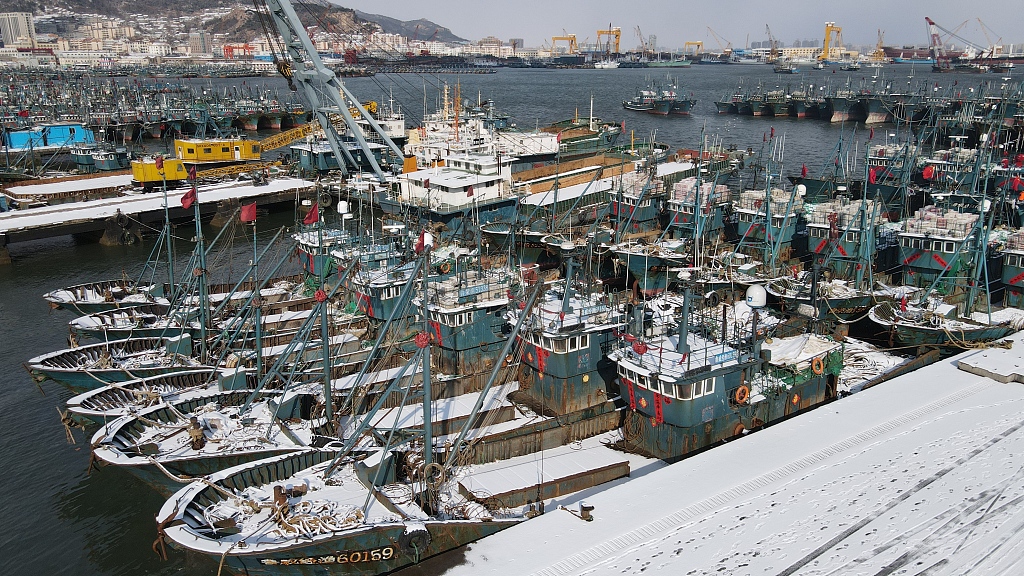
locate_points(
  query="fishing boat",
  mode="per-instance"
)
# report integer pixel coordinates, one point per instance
(108, 403)
(88, 367)
(946, 253)
(470, 189)
(643, 101)
(584, 136)
(91, 297)
(731, 104)
(939, 324)
(783, 66)
(688, 391)
(391, 491)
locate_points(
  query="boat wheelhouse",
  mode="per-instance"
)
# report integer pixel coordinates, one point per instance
(933, 243)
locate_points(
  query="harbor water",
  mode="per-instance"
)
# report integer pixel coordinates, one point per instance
(61, 518)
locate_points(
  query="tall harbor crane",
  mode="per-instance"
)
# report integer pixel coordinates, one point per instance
(773, 42)
(644, 46)
(833, 39)
(615, 33)
(570, 38)
(299, 62)
(726, 48)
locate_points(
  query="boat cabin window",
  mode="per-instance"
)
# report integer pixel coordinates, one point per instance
(950, 247)
(390, 292)
(916, 243)
(853, 237)
(225, 149)
(1012, 260)
(684, 391)
(559, 346)
(585, 341)
(207, 150)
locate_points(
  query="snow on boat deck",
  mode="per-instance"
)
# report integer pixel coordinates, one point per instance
(514, 474)
(920, 474)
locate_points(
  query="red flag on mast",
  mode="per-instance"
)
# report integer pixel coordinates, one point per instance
(189, 198)
(248, 213)
(313, 216)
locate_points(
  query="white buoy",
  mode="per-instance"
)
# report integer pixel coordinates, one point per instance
(343, 207)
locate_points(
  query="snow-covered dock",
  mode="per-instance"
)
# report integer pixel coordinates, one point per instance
(122, 213)
(919, 475)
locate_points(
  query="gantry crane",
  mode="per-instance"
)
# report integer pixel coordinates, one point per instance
(831, 31)
(615, 32)
(570, 38)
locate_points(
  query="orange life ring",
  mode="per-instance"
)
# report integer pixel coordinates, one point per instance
(742, 394)
(817, 366)
(446, 268)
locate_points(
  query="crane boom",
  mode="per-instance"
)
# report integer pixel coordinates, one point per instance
(322, 87)
(773, 43)
(727, 48)
(938, 52)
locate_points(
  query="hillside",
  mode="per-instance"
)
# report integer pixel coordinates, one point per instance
(238, 25)
(420, 29)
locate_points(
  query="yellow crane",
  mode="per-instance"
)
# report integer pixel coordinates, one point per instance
(615, 32)
(570, 38)
(831, 31)
(644, 48)
(698, 47)
(145, 172)
(773, 55)
(879, 54)
(727, 48)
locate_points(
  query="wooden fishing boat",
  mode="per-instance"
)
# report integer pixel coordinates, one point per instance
(937, 326)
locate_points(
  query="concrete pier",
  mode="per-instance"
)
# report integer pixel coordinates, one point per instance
(119, 220)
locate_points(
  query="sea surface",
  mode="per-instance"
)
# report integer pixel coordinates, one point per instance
(57, 517)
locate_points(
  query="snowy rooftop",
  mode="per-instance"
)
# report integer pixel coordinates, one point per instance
(918, 475)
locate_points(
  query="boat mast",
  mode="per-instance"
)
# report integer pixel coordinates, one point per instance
(428, 432)
(325, 336)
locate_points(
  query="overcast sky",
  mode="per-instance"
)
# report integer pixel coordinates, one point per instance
(676, 21)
